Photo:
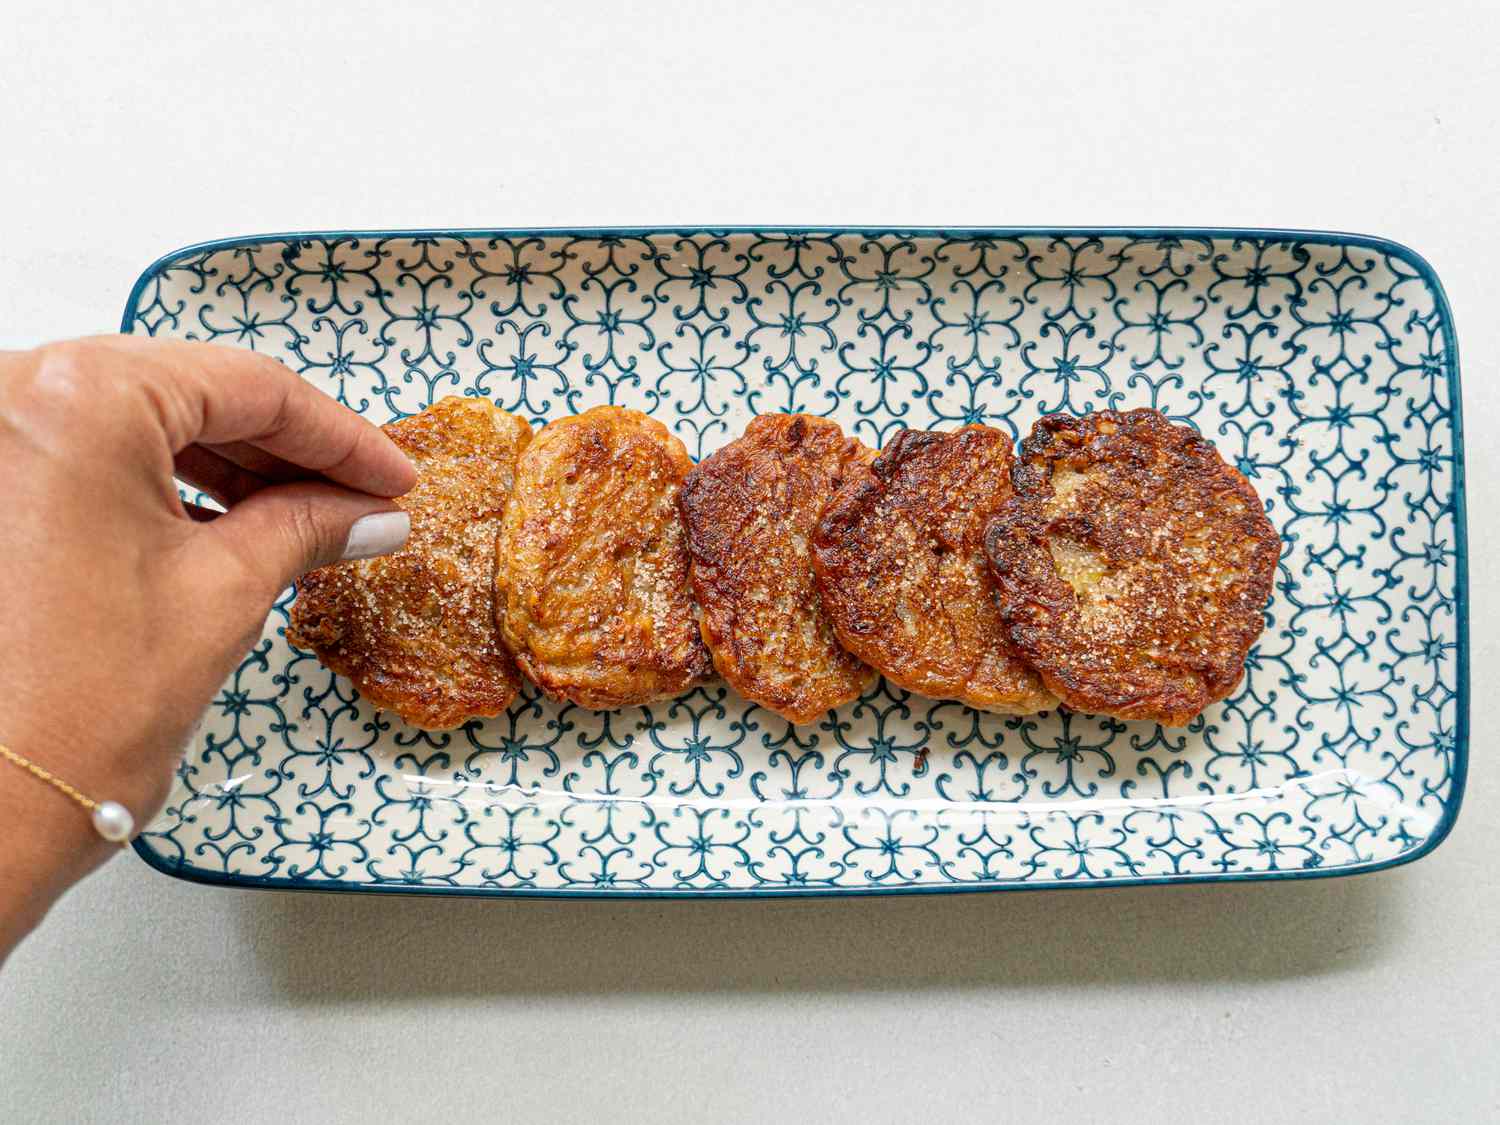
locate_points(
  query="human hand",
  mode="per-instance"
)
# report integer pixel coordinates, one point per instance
(124, 610)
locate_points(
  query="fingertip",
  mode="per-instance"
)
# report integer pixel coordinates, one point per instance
(379, 533)
(403, 476)
(286, 530)
(373, 463)
(386, 469)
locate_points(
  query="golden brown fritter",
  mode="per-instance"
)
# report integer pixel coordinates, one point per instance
(749, 510)
(415, 630)
(593, 563)
(900, 564)
(1132, 565)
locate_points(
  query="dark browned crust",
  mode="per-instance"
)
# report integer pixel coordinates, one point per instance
(415, 630)
(1133, 565)
(749, 510)
(900, 564)
(592, 580)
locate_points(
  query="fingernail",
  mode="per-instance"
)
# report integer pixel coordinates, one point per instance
(378, 534)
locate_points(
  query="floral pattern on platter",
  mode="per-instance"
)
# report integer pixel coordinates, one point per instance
(1322, 366)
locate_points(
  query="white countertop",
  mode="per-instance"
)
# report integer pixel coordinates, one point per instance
(128, 132)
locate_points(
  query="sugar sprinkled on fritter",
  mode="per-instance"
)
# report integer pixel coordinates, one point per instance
(1133, 565)
(415, 630)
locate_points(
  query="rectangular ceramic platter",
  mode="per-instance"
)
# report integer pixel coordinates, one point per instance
(1323, 366)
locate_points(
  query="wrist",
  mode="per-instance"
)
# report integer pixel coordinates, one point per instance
(47, 843)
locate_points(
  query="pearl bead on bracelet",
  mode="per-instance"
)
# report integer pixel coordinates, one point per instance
(111, 819)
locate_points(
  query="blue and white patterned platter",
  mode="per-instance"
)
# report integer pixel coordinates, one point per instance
(1323, 365)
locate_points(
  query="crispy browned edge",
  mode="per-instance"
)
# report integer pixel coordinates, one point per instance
(1037, 602)
(429, 709)
(688, 668)
(807, 456)
(845, 538)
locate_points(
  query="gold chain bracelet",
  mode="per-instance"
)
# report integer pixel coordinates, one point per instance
(111, 819)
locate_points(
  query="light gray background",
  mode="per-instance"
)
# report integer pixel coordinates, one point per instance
(134, 128)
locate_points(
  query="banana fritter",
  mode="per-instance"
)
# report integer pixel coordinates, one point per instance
(1133, 565)
(749, 510)
(900, 565)
(415, 630)
(593, 594)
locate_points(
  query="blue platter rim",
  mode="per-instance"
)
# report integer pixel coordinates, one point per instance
(1387, 246)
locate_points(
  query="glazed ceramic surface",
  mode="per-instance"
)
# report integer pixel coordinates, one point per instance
(1323, 366)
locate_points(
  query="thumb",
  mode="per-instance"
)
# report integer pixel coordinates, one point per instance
(282, 532)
